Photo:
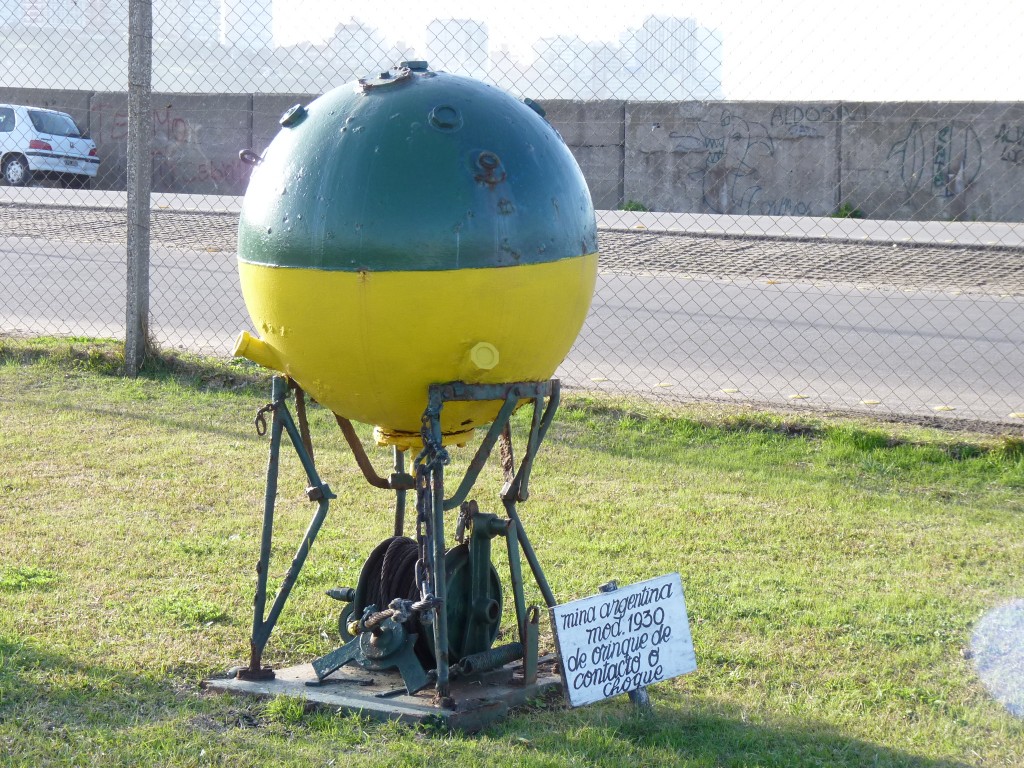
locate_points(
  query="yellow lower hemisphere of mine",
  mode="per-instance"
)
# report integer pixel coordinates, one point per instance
(367, 345)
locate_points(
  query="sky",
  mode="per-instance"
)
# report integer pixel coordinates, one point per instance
(772, 49)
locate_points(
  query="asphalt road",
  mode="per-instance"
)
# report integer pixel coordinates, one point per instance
(793, 334)
(835, 345)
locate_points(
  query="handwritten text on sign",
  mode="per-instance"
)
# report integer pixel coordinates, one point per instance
(619, 641)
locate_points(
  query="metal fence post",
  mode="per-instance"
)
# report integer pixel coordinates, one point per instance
(140, 118)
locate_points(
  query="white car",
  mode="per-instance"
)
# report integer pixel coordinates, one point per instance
(43, 143)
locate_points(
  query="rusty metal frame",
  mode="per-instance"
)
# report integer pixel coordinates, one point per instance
(432, 504)
(317, 491)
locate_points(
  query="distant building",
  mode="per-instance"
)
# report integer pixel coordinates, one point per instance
(459, 46)
(52, 13)
(669, 58)
(505, 71)
(569, 68)
(192, 22)
(246, 23)
(706, 75)
(359, 49)
(665, 59)
(603, 67)
(221, 46)
(663, 42)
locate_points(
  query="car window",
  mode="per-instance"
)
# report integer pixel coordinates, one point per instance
(54, 123)
(6, 119)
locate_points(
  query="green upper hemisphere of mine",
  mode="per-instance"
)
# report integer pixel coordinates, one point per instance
(428, 171)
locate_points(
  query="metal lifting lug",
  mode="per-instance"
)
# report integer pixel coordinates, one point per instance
(250, 157)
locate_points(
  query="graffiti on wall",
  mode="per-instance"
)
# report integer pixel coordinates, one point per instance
(943, 158)
(804, 114)
(732, 150)
(1010, 143)
(180, 161)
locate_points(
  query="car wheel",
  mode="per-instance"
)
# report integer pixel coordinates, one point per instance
(16, 172)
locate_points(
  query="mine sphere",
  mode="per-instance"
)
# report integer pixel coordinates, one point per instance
(410, 229)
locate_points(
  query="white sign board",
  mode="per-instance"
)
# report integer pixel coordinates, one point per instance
(619, 641)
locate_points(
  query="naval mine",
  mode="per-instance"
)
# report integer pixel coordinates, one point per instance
(417, 252)
(417, 228)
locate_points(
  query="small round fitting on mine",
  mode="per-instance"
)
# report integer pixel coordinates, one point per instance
(484, 355)
(293, 116)
(445, 117)
(534, 106)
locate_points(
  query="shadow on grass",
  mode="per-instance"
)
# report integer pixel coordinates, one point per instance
(641, 431)
(56, 710)
(49, 698)
(43, 690)
(243, 431)
(105, 357)
(708, 738)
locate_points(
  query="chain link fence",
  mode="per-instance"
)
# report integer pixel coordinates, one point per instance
(773, 228)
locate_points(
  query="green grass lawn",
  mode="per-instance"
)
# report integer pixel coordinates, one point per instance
(833, 571)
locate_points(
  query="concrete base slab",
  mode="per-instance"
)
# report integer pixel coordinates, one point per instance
(479, 700)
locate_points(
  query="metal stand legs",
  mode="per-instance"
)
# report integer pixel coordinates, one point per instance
(317, 491)
(428, 480)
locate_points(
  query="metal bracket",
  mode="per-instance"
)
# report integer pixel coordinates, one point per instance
(431, 502)
(385, 645)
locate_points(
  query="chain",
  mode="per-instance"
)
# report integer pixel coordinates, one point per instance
(261, 418)
(434, 453)
(432, 457)
(424, 524)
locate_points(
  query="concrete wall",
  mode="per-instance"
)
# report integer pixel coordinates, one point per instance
(196, 140)
(890, 160)
(595, 132)
(728, 158)
(266, 115)
(936, 161)
(895, 161)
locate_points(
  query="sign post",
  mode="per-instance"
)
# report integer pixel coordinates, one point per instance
(640, 698)
(623, 640)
